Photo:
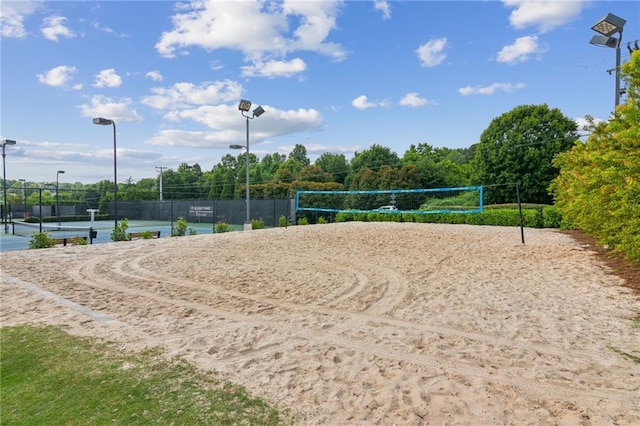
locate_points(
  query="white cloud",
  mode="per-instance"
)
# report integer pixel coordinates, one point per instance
(108, 78)
(413, 99)
(58, 76)
(154, 75)
(216, 65)
(384, 7)
(545, 15)
(520, 50)
(317, 19)
(266, 31)
(53, 27)
(193, 139)
(431, 53)
(181, 95)
(102, 106)
(319, 149)
(96, 25)
(362, 102)
(275, 68)
(226, 128)
(12, 16)
(491, 89)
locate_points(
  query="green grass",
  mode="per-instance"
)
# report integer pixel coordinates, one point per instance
(627, 355)
(50, 377)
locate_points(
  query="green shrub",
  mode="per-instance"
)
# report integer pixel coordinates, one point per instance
(322, 220)
(41, 240)
(531, 217)
(146, 235)
(119, 233)
(78, 241)
(551, 217)
(303, 221)
(222, 227)
(257, 223)
(282, 222)
(180, 229)
(343, 217)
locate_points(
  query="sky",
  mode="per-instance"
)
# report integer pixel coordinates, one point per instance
(334, 76)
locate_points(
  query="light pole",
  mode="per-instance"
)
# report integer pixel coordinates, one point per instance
(58, 173)
(24, 195)
(5, 142)
(608, 26)
(106, 122)
(161, 169)
(244, 107)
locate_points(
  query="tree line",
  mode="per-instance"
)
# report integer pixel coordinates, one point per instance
(517, 146)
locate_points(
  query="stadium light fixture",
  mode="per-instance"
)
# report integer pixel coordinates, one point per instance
(5, 214)
(106, 122)
(608, 26)
(245, 106)
(58, 173)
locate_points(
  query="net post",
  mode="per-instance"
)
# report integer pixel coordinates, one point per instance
(520, 212)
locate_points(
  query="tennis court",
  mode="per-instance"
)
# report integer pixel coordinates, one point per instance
(10, 242)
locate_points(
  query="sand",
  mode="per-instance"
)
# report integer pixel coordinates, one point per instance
(362, 323)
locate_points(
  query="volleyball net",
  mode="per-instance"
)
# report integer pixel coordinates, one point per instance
(466, 199)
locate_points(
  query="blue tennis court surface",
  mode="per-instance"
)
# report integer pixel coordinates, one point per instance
(9, 242)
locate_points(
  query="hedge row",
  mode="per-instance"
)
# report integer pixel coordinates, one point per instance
(542, 217)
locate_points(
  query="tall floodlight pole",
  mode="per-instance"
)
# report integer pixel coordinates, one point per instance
(161, 169)
(58, 173)
(106, 122)
(24, 195)
(244, 107)
(5, 213)
(608, 26)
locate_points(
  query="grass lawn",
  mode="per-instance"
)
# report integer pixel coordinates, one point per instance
(50, 377)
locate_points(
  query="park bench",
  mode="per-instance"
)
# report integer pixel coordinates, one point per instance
(70, 240)
(141, 235)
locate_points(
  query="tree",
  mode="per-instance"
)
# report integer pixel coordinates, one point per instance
(190, 178)
(269, 165)
(519, 146)
(299, 154)
(314, 174)
(336, 164)
(374, 157)
(221, 183)
(144, 189)
(598, 188)
(287, 171)
(439, 167)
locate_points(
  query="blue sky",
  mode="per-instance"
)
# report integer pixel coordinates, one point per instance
(335, 76)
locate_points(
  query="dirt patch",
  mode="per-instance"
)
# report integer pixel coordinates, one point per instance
(625, 269)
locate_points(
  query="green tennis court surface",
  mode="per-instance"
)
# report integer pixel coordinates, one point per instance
(9, 242)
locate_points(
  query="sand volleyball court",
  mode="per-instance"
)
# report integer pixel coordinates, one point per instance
(362, 323)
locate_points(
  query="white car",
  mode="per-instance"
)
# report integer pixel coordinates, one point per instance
(387, 208)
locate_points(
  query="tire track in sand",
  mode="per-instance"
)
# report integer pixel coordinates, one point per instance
(549, 388)
(392, 296)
